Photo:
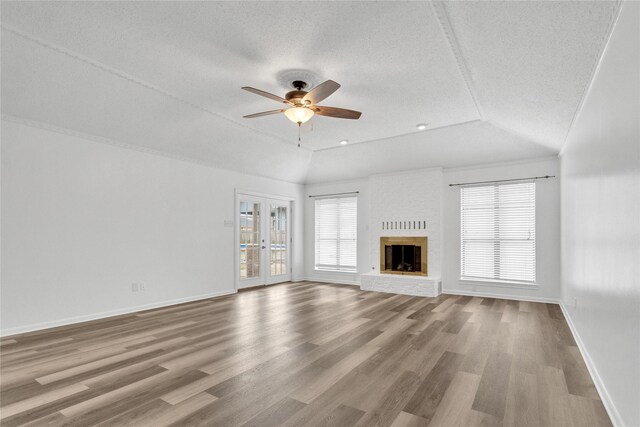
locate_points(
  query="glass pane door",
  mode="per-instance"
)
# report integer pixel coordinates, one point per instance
(250, 241)
(264, 242)
(278, 244)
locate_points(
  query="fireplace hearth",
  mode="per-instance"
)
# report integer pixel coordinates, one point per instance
(403, 255)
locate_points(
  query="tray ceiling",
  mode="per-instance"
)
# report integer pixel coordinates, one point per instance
(166, 76)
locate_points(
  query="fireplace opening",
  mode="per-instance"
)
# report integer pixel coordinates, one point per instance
(402, 258)
(403, 255)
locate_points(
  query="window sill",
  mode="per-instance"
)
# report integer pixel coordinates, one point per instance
(333, 270)
(499, 283)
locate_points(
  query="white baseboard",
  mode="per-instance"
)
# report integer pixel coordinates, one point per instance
(616, 419)
(500, 296)
(336, 281)
(109, 313)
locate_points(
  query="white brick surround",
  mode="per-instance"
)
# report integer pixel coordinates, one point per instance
(399, 197)
(407, 196)
(399, 284)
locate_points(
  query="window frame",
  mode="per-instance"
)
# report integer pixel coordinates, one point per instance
(497, 279)
(352, 241)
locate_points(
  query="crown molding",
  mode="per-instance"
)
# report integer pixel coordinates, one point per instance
(350, 181)
(403, 135)
(501, 164)
(407, 172)
(442, 17)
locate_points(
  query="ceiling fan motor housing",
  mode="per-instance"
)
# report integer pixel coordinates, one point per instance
(296, 96)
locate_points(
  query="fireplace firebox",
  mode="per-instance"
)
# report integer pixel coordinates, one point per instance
(403, 255)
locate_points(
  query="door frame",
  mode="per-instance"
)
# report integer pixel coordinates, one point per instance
(238, 193)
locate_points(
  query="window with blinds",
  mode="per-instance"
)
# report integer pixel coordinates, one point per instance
(498, 232)
(336, 233)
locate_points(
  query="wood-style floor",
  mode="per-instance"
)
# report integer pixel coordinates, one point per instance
(306, 354)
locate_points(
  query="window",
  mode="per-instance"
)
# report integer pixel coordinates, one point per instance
(498, 232)
(336, 233)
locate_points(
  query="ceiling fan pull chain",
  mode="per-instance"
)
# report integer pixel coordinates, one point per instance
(299, 124)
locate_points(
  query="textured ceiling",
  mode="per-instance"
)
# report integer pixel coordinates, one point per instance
(166, 76)
(460, 145)
(531, 62)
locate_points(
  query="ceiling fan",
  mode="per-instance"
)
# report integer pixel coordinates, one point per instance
(302, 105)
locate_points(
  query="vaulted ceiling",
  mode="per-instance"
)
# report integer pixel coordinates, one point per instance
(495, 81)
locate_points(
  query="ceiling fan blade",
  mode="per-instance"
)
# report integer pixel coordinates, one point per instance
(320, 92)
(266, 94)
(264, 113)
(340, 113)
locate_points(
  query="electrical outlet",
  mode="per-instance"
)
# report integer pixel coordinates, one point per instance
(138, 287)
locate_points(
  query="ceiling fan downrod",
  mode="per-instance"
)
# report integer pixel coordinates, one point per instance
(299, 85)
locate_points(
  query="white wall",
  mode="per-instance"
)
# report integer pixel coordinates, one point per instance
(82, 221)
(547, 230)
(404, 196)
(362, 186)
(425, 194)
(601, 223)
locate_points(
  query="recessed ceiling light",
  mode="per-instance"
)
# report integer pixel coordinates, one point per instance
(344, 142)
(421, 126)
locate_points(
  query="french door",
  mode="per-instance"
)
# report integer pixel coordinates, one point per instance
(264, 242)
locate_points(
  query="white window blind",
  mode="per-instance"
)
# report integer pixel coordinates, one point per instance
(498, 232)
(336, 233)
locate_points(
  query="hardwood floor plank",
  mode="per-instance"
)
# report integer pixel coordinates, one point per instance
(219, 372)
(262, 372)
(343, 416)
(158, 413)
(45, 410)
(348, 391)
(459, 320)
(522, 400)
(318, 385)
(587, 412)
(99, 366)
(392, 400)
(276, 414)
(491, 397)
(480, 419)
(426, 399)
(244, 404)
(553, 397)
(576, 374)
(457, 400)
(123, 393)
(35, 401)
(405, 419)
(478, 354)
(299, 354)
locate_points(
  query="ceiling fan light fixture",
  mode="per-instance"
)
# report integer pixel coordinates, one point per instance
(299, 115)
